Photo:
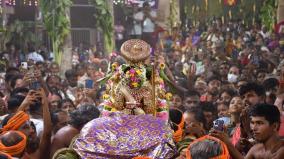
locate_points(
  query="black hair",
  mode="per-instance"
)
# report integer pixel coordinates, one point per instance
(214, 77)
(65, 101)
(205, 149)
(198, 114)
(208, 107)
(14, 102)
(269, 112)
(191, 93)
(175, 116)
(258, 89)
(229, 91)
(270, 83)
(39, 63)
(54, 116)
(6, 119)
(70, 73)
(52, 76)
(83, 114)
(19, 90)
(8, 77)
(14, 80)
(12, 69)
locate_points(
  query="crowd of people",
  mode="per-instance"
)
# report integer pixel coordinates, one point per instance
(226, 82)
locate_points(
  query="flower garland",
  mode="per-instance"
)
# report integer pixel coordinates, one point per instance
(134, 77)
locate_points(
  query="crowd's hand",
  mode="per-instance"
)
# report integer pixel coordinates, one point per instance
(243, 145)
(220, 135)
(30, 99)
(43, 96)
(191, 71)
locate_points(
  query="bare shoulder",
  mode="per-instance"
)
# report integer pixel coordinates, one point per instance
(66, 130)
(279, 153)
(255, 151)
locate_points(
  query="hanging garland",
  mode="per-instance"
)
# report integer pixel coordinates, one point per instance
(104, 21)
(57, 23)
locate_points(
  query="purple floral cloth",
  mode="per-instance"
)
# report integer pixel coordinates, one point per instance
(122, 136)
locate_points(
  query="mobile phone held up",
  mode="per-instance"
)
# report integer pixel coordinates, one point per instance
(35, 85)
(218, 125)
(89, 84)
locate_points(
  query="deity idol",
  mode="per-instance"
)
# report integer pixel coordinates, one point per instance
(134, 88)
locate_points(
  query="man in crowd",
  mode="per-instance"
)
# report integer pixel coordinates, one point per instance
(265, 122)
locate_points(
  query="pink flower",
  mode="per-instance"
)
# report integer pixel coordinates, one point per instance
(105, 113)
(133, 79)
(162, 115)
(132, 71)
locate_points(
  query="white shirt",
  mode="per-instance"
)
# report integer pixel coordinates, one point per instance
(39, 126)
(137, 28)
(148, 25)
(36, 57)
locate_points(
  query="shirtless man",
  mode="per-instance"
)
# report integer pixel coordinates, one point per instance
(265, 121)
(79, 118)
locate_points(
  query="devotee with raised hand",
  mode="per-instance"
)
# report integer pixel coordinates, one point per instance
(265, 121)
(21, 122)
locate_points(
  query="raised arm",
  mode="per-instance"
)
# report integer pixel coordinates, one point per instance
(45, 142)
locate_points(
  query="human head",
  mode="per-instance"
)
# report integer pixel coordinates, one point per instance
(214, 85)
(13, 143)
(210, 113)
(271, 86)
(80, 70)
(14, 103)
(54, 99)
(265, 121)
(17, 81)
(260, 76)
(236, 105)
(200, 86)
(177, 102)
(195, 121)
(54, 68)
(70, 76)
(20, 122)
(59, 119)
(192, 99)
(146, 6)
(224, 69)
(207, 147)
(67, 105)
(223, 109)
(83, 114)
(233, 75)
(22, 91)
(53, 81)
(252, 94)
(226, 95)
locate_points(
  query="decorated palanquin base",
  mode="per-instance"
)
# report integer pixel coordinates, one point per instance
(122, 136)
